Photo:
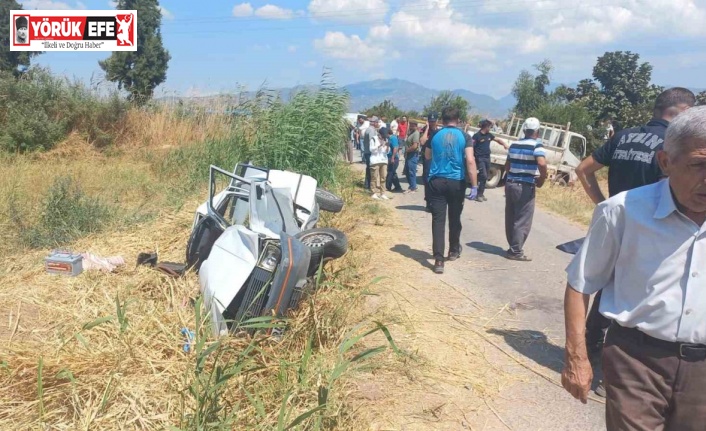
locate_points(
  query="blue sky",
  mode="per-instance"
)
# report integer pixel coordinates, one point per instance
(479, 45)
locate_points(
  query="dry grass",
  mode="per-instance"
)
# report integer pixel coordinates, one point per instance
(168, 127)
(571, 202)
(136, 377)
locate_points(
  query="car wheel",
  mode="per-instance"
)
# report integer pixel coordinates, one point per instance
(328, 201)
(324, 243)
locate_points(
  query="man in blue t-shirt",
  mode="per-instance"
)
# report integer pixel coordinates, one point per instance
(393, 163)
(452, 166)
(524, 159)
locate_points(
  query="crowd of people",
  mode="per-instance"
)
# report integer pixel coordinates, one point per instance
(451, 160)
(644, 256)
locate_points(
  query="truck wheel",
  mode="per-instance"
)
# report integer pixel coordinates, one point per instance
(328, 201)
(493, 177)
(324, 243)
(561, 180)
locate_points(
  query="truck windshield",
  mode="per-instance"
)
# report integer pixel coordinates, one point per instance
(578, 146)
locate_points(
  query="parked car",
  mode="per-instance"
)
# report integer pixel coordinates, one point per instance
(255, 244)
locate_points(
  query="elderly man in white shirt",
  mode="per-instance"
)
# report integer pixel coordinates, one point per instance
(646, 248)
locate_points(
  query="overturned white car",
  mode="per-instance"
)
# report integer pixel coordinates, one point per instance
(255, 244)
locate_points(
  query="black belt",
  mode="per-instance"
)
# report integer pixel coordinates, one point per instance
(519, 182)
(686, 351)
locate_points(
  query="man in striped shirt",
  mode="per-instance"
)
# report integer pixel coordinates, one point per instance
(524, 159)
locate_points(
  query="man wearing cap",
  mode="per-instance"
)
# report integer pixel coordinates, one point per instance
(452, 166)
(411, 157)
(21, 26)
(524, 158)
(646, 251)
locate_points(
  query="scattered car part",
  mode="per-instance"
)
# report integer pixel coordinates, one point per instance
(328, 201)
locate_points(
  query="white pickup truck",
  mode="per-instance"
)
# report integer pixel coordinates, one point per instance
(564, 150)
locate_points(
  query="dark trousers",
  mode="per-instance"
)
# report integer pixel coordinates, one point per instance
(483, 165)
(425, 176)
(392, 178)
(519, 212)
(443, 194)
(649, 387)
(596, 324)
(366, 159)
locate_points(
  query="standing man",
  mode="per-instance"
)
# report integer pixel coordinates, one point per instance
(411, 157)
(370, 133)
(524, 158)
(402, 128)
(378, 163)
(429, 131)
(394, 126)
(481, 149)
(452, 166)
(646, 250)
(393, 162)
(632, 162)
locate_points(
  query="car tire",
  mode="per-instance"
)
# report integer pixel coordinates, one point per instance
(324, 243)
(495, 174)
(328, 201)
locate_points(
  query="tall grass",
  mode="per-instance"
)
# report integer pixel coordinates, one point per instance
(104, 351)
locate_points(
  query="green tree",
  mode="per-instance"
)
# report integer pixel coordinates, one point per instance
(625, 92)
(10, 61)
(385, 109)
(140, 72)
(701, 98)
(448, 98)
(530, 91)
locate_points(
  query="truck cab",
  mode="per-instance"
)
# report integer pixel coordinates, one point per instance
(564, 150)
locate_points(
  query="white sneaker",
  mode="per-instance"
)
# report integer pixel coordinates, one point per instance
(376, 196)
(385, 197)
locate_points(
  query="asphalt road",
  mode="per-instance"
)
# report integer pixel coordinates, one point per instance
(530, 292)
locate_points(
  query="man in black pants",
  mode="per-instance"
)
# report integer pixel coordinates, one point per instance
(427, 134)
(451, 166)
(627, 173)
(481, 149)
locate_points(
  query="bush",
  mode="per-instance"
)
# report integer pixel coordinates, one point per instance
(39, 110)
(305, 135)
(66, 214)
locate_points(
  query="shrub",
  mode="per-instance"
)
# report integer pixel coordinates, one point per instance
(38, 110)
(67, 213)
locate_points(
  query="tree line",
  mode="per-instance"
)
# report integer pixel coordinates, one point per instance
(620, 92)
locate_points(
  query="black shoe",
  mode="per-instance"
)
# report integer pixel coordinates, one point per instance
(439, 266)
(454, 255)
(518, 257)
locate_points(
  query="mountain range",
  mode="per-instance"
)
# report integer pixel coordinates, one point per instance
(408, 96)
(405, 95)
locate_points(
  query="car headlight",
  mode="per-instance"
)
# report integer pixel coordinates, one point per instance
(270, 257)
